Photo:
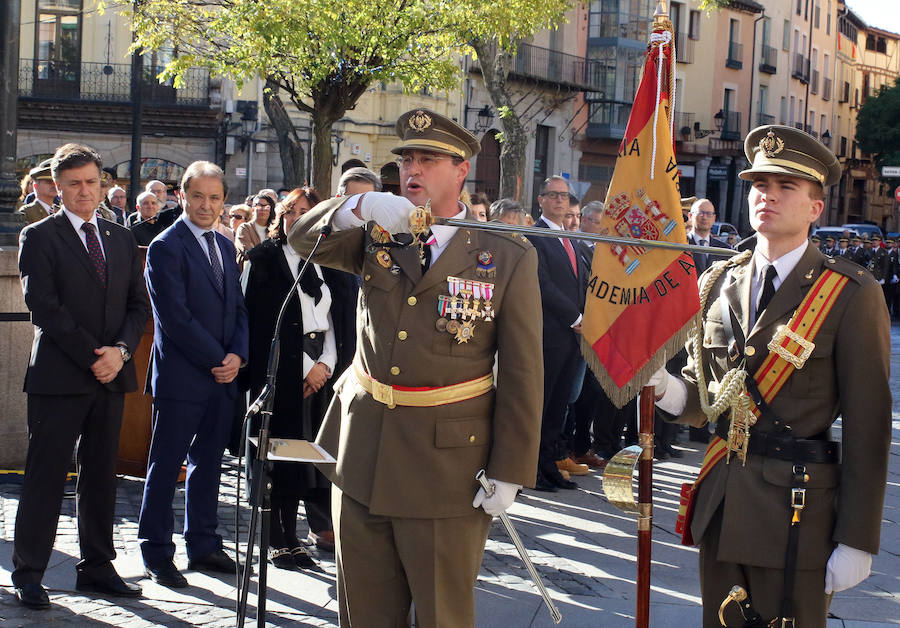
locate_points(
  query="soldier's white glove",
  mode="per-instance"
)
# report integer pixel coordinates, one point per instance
(391, 212)
(659, 380)
(895, 279)
(503, 497)
(881, 281)
(846, 568)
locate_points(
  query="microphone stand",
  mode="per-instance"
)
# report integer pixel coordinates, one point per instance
(261, 487)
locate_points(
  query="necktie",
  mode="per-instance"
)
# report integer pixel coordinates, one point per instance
(570, 251)
(768, 290)
(214, 259)
(428, 239)
(310, 282)
(703, 258)
(94, 251)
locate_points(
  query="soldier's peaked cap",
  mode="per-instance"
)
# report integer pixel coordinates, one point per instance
(42, 170)
(422, 129)
(777, 149)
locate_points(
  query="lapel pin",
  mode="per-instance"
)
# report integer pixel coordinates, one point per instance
(107, 233)
(809, 275)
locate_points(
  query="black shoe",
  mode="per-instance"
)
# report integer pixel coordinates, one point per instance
(111, 585)
(282, 559)
(674, 453)
(541, 484)
(660, 454)
(166, 575)
(301, 558)
(218, 561)
(33, 596)
(559, 481)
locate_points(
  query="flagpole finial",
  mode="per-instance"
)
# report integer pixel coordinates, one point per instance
(661, 11)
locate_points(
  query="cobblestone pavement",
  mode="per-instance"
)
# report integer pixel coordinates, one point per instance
(582, 547)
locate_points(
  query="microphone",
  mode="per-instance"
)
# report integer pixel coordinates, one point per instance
(325, 231)
(257, 405)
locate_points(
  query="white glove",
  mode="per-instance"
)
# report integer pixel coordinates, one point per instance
(503, 497)
(895, 279)
(881, 281)
(660, 380)
(391, 212)
(846, 568)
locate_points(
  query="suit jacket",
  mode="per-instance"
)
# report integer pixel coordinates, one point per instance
(72, 312)
(245, 239)
(33, 211)
(847, 375)
(562, 292)
(421, 462)
(195, 324)
(704, 260)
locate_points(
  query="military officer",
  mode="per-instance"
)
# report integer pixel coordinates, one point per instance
(797, 510)
(44, 193)
(417, 414)
(830, 249)
(844, 249)
(816, 241)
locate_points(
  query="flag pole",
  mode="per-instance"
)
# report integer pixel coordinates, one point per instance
(646, 413)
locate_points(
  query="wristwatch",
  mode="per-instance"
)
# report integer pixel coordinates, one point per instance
(123, 349)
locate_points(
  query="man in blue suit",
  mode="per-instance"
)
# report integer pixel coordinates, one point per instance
(200, 341)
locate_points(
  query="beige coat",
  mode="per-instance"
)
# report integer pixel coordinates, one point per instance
(846, 375)
(421, 462)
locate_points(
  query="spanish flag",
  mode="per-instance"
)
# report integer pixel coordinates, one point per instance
(641, 302)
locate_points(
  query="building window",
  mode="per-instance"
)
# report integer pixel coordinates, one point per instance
(816, 12)
(57, 40)
(870, 42)
(828, 19)
(694, 26)
(881, 45)
(791, 113)
(783, 111)
(799, 7)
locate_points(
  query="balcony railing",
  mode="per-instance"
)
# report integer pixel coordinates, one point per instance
(607, 119)
(763, 119)
(735, 55)
(768, 60)
(731, 125)
(107, 82)
(814, 83)
(622, 25)
(800, 69)
(683, 125)
(826, 89)
(684, 48)
(544, 64)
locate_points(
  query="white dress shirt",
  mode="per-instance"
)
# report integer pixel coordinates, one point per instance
(76, 225)
(198, 233)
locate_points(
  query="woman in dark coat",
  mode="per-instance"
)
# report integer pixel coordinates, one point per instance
(309, 357)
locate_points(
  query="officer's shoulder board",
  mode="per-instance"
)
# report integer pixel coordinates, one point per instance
(850, 269)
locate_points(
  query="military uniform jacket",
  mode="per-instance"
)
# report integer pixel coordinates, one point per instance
(847, 374)
(421, 462)
(33, 211)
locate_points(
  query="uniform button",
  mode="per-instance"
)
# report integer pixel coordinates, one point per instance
(472, 438)
(412, 300)
(751, 351)
(395, 370)
(367, 277)
(402, 335)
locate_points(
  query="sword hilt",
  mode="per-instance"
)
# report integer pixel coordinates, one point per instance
(488, 487)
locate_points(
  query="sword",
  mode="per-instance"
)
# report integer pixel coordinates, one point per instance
(579, 235)
(511, 531)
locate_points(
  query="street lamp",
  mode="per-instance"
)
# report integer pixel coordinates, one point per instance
(719, 120)
(337, 137)
(485, 118)
(826, 138)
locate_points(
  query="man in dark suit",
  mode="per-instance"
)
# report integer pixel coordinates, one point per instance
(563, 281)
(87, 322)
(200, 340)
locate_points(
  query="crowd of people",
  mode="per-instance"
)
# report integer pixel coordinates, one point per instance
(405, 397)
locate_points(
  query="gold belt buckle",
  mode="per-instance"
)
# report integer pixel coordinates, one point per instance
(383, 393)
(797, 360)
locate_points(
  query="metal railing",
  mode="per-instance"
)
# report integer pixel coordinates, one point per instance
(763, 119)
(735, 55)
(826, 89)
(683, 124)
(107, 82)
(800, 69)
(731, 125)
(684, 48)
(814, 83)
(768, 60)
(622, 25)
(544, 64)
(608, 119)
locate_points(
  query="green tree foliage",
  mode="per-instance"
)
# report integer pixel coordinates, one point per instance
(878, 125)
(324, 54)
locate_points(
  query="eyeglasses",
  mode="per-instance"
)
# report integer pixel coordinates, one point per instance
(236, 217)
(555, 195)
(425, 161)
(707, 214)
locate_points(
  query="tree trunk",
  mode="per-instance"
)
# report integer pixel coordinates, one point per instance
(495, 65)
(322, 153)
(289, 146)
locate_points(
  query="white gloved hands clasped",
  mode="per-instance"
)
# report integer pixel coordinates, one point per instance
(391, 212)
(846, 568)
(503, 497)
(659, 380)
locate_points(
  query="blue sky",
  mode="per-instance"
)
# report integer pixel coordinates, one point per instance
(884, 14)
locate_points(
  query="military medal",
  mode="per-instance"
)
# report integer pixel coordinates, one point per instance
(384, 258)
(441, 324)
(452, 326)
(488, 312)
(395, 270)
(420, 221)
(380, 235)
(485, 266)
(465, 332)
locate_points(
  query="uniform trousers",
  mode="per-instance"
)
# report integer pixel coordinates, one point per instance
(763, 585)
(384, 563)
(55, 424)
(197, 431)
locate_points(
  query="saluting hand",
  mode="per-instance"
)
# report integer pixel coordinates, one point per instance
(108, 365)
(226, 373)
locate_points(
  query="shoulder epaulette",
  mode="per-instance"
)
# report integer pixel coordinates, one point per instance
(851, 269)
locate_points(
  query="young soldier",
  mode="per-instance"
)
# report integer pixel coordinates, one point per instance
(798, 519)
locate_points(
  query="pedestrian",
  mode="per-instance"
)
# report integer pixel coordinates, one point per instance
(812, 332)
(416, 416)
